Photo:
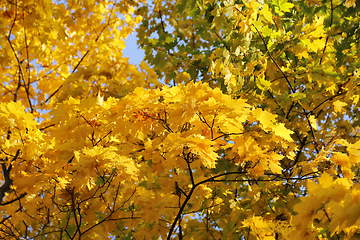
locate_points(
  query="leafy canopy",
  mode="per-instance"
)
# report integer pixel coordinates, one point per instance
(241, 123)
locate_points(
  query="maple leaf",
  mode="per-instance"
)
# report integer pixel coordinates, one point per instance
(203, 148)
(338, 106)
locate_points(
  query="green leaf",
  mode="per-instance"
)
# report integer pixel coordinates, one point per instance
(262, 83)
(283, 5)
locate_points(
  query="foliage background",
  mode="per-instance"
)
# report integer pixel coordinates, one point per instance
(253, 135)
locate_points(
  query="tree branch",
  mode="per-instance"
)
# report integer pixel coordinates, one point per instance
(7, 180)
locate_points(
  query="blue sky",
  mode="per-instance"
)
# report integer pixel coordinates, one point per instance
(132, 51)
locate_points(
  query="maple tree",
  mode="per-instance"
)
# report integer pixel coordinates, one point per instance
(251, 134)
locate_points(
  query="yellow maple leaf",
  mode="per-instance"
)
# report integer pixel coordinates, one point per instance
(203, 147)
(274, 163)
(281, 131)
(267, 13)
(62, 182)
(312, 121)
(350, 3)
(259, 227)
(338, 106)
(266, 119)
(99, 99)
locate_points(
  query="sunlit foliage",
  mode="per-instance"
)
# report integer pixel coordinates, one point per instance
(241, 122)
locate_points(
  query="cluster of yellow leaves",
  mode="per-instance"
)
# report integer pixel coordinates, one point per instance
(332, 205)
(100, 140)
(102, 150)
(19, 132)
(69, 49)
(185, 111)
(266, 229)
